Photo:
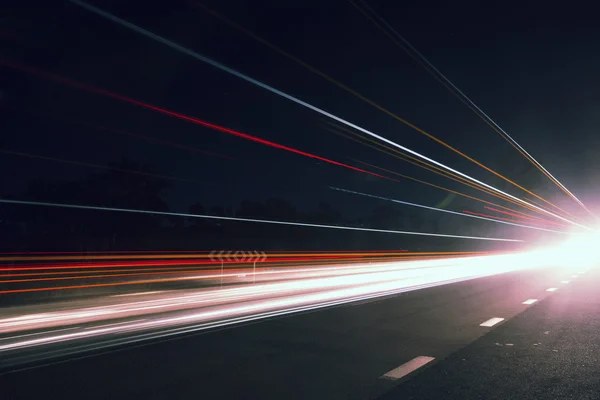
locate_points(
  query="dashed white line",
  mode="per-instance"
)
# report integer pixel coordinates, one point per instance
(565, 281)
(407, 367)
(574, 276)
(552, 289)
(491, 321)
(530, 301)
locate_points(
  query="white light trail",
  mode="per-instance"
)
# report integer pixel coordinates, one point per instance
(258, 83)
(462, 96)
(211, 308)
(263, 221)
(449, 211)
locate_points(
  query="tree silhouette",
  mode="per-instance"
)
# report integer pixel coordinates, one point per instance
(113, 188)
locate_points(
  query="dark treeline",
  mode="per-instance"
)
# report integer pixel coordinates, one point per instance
(130, 185)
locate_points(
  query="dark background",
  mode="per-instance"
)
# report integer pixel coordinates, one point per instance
(532, 68)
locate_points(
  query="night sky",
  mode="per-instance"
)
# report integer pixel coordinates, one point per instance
(532, 68)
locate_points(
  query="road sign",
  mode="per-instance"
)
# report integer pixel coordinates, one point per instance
(238, 256)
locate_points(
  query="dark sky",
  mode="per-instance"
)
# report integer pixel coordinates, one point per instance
(532, 68)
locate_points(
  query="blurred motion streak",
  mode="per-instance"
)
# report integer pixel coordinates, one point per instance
(463, 214)
(371, 102)
(541, 220)
(196, 121)
(511, 221)
(401, 42)
(263, 221)
(168, 312)
(258, 83)
(427, 166)
(455, 192)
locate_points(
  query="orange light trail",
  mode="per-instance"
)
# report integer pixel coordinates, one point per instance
(502, 219)
(366, 100)
(203, 256)
(421, 60)
(432, 168)
(525, 217)
(238, 74)
(429, 167)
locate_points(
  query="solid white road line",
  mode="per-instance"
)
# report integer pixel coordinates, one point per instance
(530, 301)
(552, 289)
(491, 321)
(408, 367)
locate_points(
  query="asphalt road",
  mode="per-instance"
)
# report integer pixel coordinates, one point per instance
(336, 353)
(550, 351)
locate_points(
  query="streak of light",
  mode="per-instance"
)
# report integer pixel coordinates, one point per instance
(214, 274)
(174, 312)
(230, 273)
(183, 117)
(524, 216)
(429, 67)
(263, 221)
(258, 83)
(411, 160)
(138, 294)
(323, 75)
(511, 221)
(463, 214)
(36, 334)
(452, 191)
(170, 265)
(250, 137)
(103, 276)
(302, 252)
(209, 255)
(422, 164)
(27, 267)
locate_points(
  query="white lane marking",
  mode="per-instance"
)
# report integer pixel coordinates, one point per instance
(530, 301)
(574, 276)
(565, 281)
(407, 367)
(491, 321)
(552, 289)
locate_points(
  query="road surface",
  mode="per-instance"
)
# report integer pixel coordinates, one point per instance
(340, 352)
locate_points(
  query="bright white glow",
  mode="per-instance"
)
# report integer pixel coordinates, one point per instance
(117, 319)
(552, 289)
(577, 252)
